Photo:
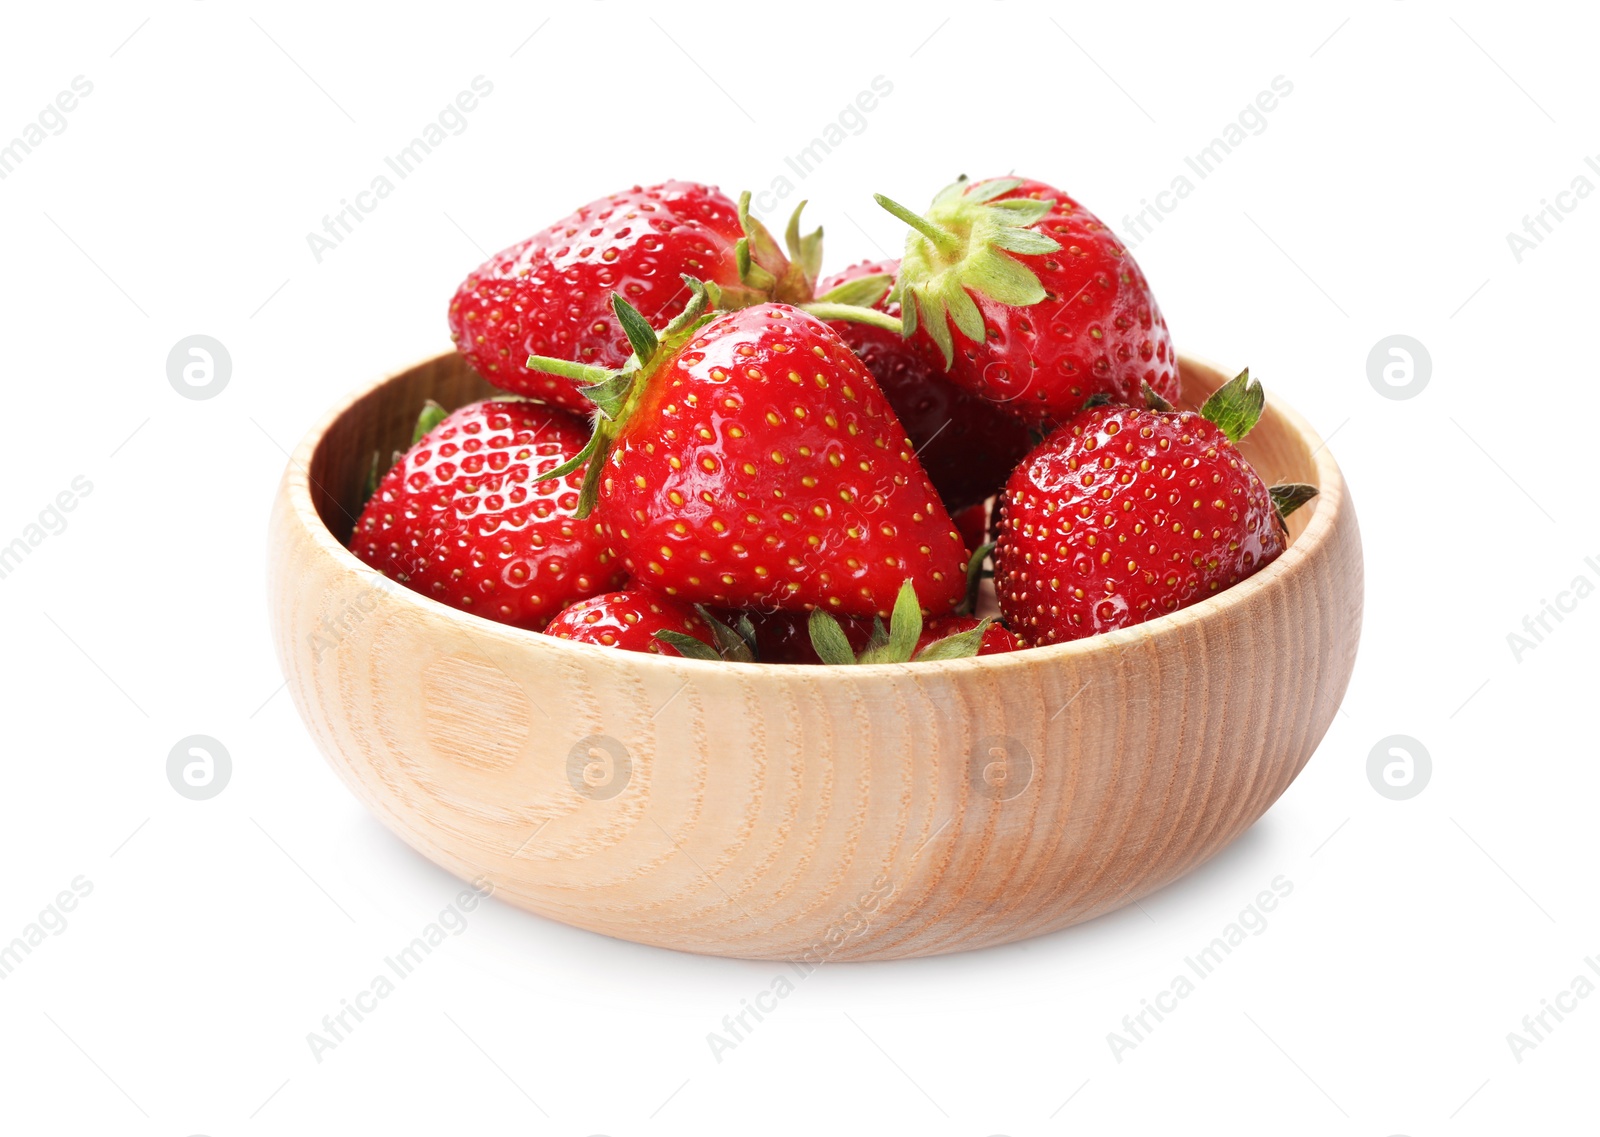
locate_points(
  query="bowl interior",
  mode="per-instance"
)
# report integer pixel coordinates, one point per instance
(380, 421)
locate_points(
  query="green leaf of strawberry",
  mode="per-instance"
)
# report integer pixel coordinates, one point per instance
(431, 416)
(828, 638)
(1236, 406)
(735, 644)
(908, 639)
(638, 330)
(1290, 496)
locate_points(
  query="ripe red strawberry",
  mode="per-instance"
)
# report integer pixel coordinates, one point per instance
(750, 461)
(973, 524)
(471, 516)
(967, 445)
(1024, 297)
(551, 294)
(629, 620)
(1125, 514)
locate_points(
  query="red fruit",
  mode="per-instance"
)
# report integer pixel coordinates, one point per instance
(997, 639)
(551, 294)
(629, 620)
(967, 445)
(1125, 514)
(752, 462)
(973, 525)
(470, 517)
(1024, 297)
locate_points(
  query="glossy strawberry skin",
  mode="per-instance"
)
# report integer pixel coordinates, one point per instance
(465, 518)
(1098, 330)
(629, 620)
(967, 445)
(761, 467)
(1123, 515)
(551, 294)
(997, 638)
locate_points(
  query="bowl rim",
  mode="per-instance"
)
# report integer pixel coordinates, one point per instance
(1329, 504)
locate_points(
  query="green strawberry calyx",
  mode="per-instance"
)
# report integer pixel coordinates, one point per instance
(964, 245)
(1288, 497)
(1235, 408)
(431, 415)
(895, 644)
(736, 644)
(615, 394)
(767, 273)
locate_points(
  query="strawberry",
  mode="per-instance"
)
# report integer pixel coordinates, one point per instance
(472, 517)
(749, 460)
(973, 524)
(551, 294)
(967, 445)
(627, 620)
(908, 639)
(634, 621)
(1124, 514)
(1024, 297)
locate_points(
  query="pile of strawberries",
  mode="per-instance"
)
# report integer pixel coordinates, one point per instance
(707, 449)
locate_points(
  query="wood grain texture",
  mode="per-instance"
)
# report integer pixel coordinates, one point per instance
(784, 812)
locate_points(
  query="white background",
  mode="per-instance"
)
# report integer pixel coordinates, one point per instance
(219, 933)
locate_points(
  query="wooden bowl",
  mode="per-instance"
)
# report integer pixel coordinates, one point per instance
(788, 812)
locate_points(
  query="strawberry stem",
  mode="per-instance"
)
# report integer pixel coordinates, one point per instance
(975, 576)
(584, 373)
(826, 310)
(946, 240)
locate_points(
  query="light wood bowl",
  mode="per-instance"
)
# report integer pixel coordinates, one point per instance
(787, 812)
